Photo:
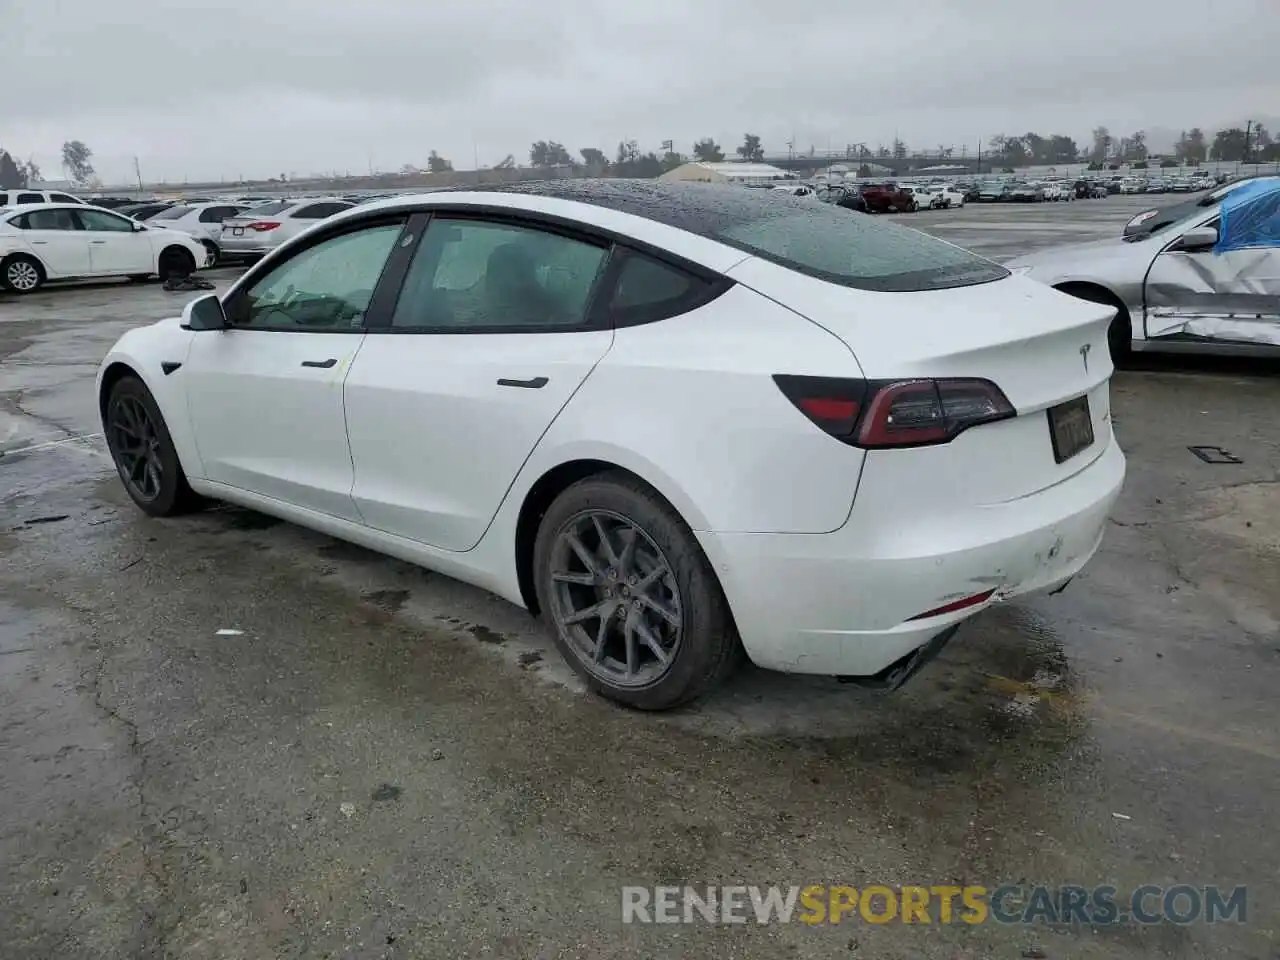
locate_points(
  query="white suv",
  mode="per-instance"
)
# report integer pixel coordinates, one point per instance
(16, 198)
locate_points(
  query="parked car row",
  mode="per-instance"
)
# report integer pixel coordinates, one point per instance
(67, 240)
(63, 241)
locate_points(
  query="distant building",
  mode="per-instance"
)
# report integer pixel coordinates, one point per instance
(63, 185)
(728, 172)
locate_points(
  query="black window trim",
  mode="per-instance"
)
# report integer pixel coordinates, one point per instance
(598, 316)
(389, 281)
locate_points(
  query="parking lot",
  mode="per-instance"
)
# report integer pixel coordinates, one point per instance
(382, 762)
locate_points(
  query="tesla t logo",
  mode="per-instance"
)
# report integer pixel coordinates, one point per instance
(1084, 355)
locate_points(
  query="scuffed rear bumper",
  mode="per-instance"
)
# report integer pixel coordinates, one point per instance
(841, 604)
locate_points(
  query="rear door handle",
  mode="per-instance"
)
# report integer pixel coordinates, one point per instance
(97, 241)
(535, 384)
(322, 364)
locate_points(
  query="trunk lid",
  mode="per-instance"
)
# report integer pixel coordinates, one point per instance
(1042, 348)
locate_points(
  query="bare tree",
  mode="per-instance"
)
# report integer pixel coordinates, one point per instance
(77, 159)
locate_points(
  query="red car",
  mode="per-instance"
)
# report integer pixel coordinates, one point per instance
(886, 197)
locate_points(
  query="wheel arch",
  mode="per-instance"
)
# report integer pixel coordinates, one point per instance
(113, 373)
(24, 255)
(554, 481)
(172, 249)
(1082, 289)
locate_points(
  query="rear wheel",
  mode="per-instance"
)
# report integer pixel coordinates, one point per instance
(634, 605)
(143, 451)
(176, 262)
(22, 274)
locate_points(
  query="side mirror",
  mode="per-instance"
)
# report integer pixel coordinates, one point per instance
(1199, 238)
(204, 313)
(138, 228)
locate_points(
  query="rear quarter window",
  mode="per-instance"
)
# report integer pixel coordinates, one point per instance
(647, 289)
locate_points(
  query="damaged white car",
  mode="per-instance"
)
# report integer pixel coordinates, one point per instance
(1209, 283)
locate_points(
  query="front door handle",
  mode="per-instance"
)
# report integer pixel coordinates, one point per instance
(535, 384)
(97, 241)
(322, 364)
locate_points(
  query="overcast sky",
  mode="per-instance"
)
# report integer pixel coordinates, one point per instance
(260, 87)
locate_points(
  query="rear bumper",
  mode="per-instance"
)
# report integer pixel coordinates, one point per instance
(841, 604)
(247, 246)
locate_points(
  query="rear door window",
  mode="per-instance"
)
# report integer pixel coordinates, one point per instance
(46, 220)
(472, 276)
(62, 198)
(30, 198)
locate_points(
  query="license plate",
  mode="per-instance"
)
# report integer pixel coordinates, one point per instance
(237, 231)
(1070, 428)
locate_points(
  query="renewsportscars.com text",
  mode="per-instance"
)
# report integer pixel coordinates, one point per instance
(1009, 904)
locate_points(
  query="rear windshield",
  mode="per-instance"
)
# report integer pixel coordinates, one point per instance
(854, 250)
(269, 209)
(173, 213)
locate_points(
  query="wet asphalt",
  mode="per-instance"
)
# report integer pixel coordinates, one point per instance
(383, 762)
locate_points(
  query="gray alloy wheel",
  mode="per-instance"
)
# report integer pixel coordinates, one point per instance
(632, 601)
(615, 598)
(22, 275)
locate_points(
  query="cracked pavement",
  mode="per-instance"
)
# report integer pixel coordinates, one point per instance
(387, 763)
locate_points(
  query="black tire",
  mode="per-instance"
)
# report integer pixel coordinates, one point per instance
(22, 274)
(176, 262)
(1120, 333)
(709, 648)
(173, 495)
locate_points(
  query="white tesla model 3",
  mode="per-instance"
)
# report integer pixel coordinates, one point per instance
(676, 420)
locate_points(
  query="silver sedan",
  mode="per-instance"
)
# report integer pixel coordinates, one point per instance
(1208, 283)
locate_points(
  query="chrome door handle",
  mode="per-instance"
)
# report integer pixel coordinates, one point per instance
(536, 383)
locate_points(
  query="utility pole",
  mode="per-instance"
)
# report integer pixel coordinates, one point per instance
(979, 156)
(1248, 129)
(137, 172)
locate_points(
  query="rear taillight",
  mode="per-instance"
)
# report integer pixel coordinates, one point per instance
(879, 414)
(262, 226)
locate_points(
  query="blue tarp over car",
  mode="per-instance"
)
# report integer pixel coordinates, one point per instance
(1250, 218)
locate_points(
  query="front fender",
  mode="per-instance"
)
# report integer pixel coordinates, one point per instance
(141, 352)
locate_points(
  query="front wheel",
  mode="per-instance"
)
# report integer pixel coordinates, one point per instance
(143, 451)
(635, 607)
